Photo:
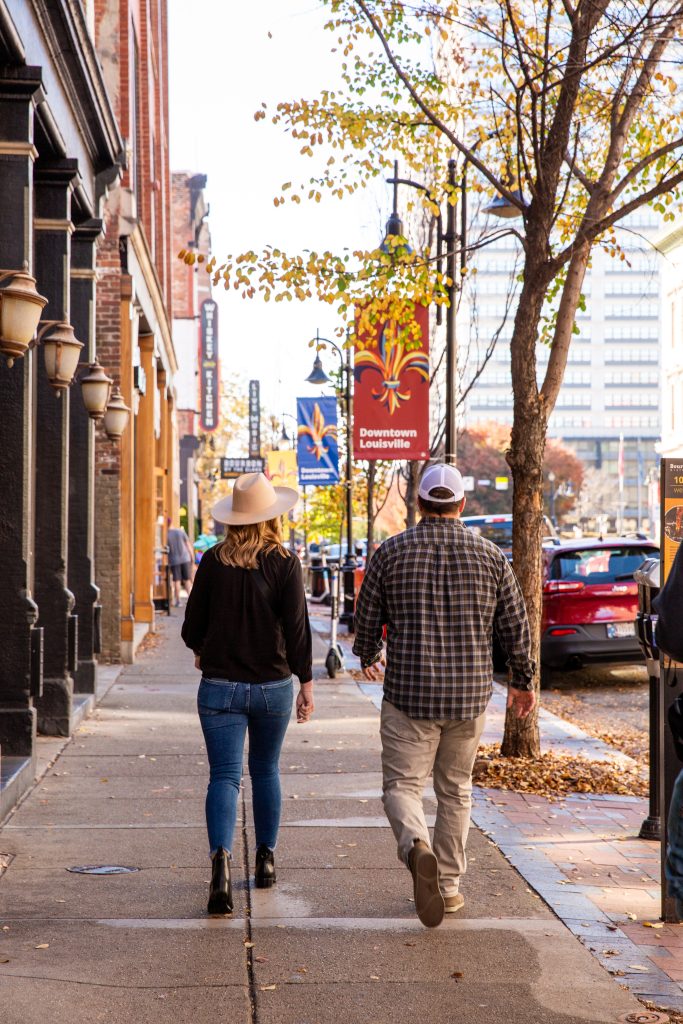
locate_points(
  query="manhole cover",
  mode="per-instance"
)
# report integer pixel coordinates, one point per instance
(643, 1017)
(102, 869)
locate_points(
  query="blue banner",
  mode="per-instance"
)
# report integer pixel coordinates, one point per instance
(317, 449)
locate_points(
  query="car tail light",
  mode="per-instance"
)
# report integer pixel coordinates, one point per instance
(562, 586)
(562, 632)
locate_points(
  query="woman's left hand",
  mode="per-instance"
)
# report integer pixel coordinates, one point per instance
(197, 662)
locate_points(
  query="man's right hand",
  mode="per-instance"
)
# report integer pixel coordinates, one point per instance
(521, 701)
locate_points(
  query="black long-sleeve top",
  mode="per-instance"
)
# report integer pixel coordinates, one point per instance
(243, 634)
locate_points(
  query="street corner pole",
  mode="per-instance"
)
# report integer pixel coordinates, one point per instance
(349, 567)
(451, 353)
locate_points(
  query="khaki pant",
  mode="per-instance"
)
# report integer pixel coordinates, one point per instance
(411, 749)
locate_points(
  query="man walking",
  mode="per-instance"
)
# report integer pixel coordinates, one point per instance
(441, 590)
(180, 560)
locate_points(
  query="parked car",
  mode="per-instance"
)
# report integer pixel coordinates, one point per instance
(498, 528)
(333, 551)
(590, 601)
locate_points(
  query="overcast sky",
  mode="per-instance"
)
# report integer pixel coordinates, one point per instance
(222, 66)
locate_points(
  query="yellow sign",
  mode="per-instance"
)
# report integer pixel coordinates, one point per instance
(671, 485)
(281, 468)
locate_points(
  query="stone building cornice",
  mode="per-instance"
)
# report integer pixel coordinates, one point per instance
(75, 61)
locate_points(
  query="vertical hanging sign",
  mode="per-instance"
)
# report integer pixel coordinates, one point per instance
(317, 452)
(254, 419)
(391, 393)
(671, 512)
(209, 386)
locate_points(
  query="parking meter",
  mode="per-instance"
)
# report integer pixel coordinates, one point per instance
(647, 578)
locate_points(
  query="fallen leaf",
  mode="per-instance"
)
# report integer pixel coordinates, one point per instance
(362, 801)
(410, 943)
(457, 974)
(653, 924)
(248, 945)
(639, 967)
(374, 977)
(302, 970)
(267, 988)
(630, 916)
(4, 960)
(261, 959)
(43, 945)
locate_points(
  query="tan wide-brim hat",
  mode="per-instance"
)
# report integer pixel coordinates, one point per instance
(254, 500)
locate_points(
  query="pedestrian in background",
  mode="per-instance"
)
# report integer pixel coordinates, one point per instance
(441, 591)
(247, 622)
(180, 560)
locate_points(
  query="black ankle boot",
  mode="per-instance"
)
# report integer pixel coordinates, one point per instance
(220, 894)
(264, 874)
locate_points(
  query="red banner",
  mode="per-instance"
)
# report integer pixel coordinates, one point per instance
(391, 395)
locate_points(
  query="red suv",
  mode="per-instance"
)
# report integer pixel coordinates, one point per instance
(590, 602)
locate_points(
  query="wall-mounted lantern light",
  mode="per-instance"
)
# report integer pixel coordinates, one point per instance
(62, 351)
(20, 309)
(96, 389)
(116, 415)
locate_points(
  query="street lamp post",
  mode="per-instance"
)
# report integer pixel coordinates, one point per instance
(452, 239)
(318, 376)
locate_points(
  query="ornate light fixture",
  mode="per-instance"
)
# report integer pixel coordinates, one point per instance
(116, 415)
(62, 351)
(20, 309)
(96, 389)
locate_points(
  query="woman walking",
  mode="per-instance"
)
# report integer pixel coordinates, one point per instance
(246, 621)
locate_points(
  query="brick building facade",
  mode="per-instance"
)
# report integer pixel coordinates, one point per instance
(191, 287)
(60, 151)
(136, 483)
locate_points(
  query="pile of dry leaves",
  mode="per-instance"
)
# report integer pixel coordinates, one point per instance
(556, 774)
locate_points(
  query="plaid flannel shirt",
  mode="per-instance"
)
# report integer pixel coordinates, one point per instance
(441, 590)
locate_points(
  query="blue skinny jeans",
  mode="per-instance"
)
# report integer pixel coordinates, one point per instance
(227, 711)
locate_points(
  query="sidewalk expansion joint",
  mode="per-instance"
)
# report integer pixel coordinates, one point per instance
(249, 942)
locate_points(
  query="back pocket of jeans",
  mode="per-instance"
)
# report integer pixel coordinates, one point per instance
(278, 697)
(212, 698)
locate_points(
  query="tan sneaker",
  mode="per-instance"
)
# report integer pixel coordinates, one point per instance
(453, 903)
(424, 867)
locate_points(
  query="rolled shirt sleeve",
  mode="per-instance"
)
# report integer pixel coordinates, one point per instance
(370, 614)
(512, 626)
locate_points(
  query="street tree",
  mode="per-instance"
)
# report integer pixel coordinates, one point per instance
(568, 111)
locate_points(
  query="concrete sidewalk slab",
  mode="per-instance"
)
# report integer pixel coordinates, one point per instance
(141, 847)
(505, 943)
(506, 972)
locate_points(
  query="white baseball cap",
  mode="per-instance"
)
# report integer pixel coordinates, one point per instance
(445, 476)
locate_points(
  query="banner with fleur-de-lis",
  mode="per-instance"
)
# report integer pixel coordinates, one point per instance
(317, 448)
(391, 393)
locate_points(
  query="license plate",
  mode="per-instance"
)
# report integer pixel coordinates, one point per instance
(615, 630)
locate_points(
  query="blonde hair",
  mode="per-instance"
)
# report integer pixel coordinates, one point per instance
(243, 544)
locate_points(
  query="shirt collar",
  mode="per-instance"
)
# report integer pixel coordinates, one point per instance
(440, 523)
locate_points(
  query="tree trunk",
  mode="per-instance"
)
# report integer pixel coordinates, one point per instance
(413, 477)
(525, 457)
(370, 507)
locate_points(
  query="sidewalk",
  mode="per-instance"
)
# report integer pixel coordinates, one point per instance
(582, 855)
(337, 939)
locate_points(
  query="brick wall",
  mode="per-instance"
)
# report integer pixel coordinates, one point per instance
(183, 233)
(107, 453)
